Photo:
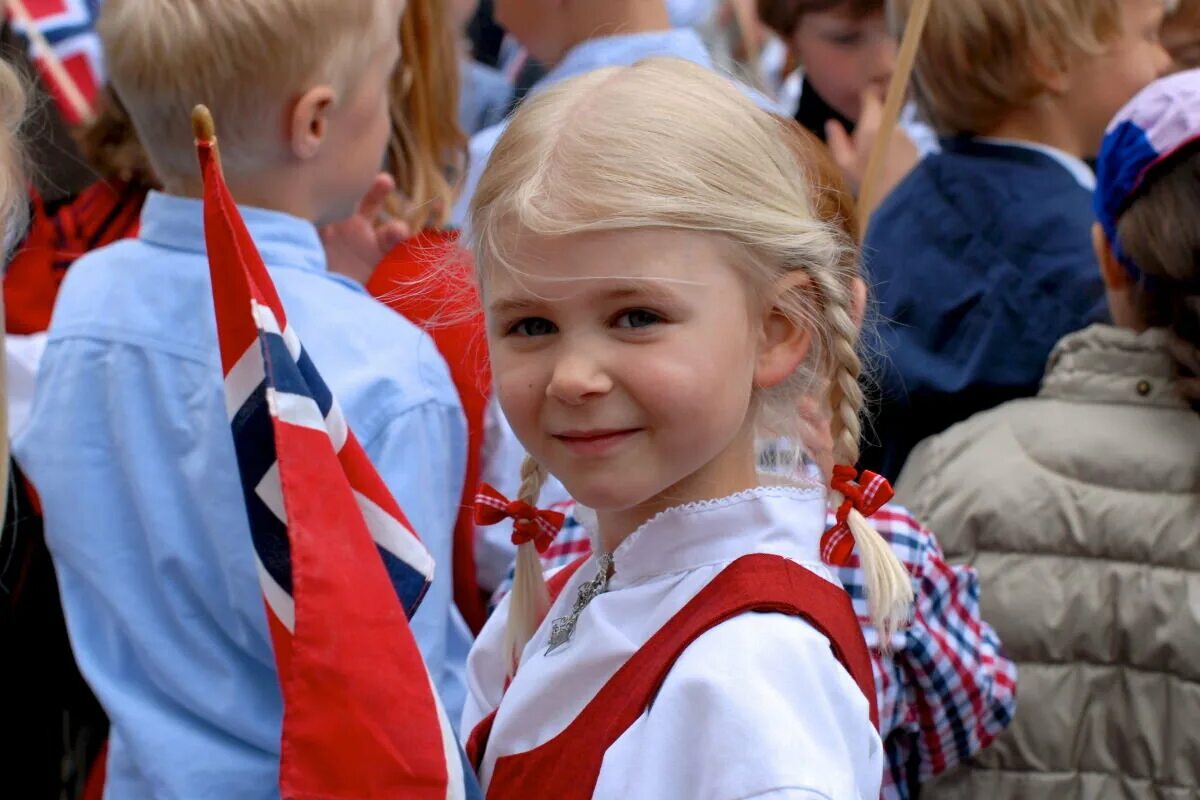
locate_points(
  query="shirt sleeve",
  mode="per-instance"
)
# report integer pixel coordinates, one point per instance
(757, 707)
(961, 683)
(421, 455)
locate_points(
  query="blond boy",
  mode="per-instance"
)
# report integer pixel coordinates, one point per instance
(982, 257)
(129, 445)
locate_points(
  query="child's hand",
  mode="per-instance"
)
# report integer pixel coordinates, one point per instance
(355, 246)
(851, 153)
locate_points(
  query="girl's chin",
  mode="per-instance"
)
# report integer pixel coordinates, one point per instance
(604, 499)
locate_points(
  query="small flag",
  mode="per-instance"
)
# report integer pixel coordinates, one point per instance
(66, 50)
(340, 567)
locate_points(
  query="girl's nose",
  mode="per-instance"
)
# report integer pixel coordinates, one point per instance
(577, 378)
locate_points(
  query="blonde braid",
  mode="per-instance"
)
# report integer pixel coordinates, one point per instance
(888, 585)
(529, 601)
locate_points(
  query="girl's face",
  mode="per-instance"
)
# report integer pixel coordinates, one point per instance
(843, 55)
(626, 363)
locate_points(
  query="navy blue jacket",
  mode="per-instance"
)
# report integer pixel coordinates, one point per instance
(980, 260)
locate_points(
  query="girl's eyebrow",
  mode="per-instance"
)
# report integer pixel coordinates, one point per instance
(628, 289)
(512, 305)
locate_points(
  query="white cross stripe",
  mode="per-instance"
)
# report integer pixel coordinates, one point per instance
(281, 603)
(293, 343)
(296, 409)
(398, 540)
(335, 424)
(244, 377)
(265, 319)
(270, 491)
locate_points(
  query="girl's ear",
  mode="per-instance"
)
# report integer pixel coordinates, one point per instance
(309, 123)
(858, 311)
(784, 340)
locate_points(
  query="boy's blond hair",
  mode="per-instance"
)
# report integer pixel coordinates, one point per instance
(978, 58)
(244, 59)
(669, 144)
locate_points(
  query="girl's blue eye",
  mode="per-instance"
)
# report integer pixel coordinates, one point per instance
(533, 326)
(638, 318)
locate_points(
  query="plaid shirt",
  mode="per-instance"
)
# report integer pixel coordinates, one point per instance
(945, 690)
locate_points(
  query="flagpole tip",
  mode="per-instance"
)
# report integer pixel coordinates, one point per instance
(202, 124)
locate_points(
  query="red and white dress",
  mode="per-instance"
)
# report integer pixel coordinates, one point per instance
(722, 662)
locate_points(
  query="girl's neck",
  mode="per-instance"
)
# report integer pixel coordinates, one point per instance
(730, 472)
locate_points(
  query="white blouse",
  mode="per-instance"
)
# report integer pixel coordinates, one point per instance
(757, 707)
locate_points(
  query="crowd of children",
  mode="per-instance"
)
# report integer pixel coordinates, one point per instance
(624, 353)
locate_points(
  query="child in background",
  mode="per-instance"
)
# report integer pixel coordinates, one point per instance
(981, 257)
(1080, 507)
(646, 329)
(574, 38)
(485, 94)
(945, 688)
(839, 60)
(1181, 35)
(129, 444)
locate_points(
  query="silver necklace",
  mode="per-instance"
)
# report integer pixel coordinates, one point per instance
(563, 628)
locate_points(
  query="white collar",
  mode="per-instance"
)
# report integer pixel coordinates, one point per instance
(1078, 168)
(783, 520)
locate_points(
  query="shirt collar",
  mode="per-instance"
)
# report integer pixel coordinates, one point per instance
(1107, 364)
(1079, 169)
(782, 520)
(177, 223)
(626, 49)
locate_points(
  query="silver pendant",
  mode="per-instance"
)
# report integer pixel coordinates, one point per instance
(563, 628)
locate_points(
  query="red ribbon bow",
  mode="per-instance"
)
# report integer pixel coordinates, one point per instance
(866, 494)
(530, 524)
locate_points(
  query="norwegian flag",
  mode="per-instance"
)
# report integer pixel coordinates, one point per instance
(338, 562)
(67, 27)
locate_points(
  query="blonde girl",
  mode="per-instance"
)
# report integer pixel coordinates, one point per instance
(660, 296)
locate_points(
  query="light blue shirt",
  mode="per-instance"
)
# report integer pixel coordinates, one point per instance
(484, 96)
(130, 450)
(605, 51)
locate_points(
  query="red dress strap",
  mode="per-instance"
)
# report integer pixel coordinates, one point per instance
(568, 766)
(477, 741)
(558, 581)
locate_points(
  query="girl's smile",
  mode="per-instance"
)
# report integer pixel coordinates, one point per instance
(595, 443)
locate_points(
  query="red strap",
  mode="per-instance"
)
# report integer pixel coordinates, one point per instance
(568, 765)
(477, 741)
(558, 581)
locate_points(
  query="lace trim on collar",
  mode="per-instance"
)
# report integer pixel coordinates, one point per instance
(801, 488)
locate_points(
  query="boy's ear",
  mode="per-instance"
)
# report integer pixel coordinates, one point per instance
(309, 124)
(1049, 69)
(1115, 277)
(784, 341)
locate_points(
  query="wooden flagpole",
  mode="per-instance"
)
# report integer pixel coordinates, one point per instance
(55, 69)
(897, 91)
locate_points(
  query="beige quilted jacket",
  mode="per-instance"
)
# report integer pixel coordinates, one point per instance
(1080, 508)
